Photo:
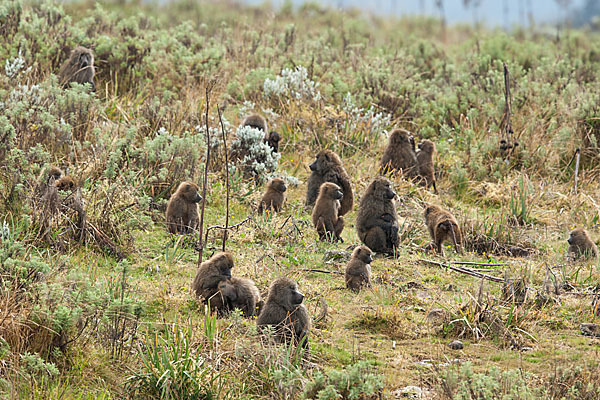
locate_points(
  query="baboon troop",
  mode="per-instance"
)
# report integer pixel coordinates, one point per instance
(425, 163)
(208, 277)
(442, 227)
(274, 196)
(328, 167)
(399, 155)
(182, 209)
(358, 270)
(79, 68)
(377, 221)
(285, 312)
(581, 245)
(325, 214)
(240, 293)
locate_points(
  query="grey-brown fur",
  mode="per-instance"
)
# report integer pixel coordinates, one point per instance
(399, 155)
(182, 209)
(376, 221)
(358, 270)
(66, 184)
(274, 196)
(241, 293)
(328, 167)
(425, 163)
(581, 245)
(79, 67)
(325, 214)
(256, 121)
(285, 312)
(210, 273)
(442, 227)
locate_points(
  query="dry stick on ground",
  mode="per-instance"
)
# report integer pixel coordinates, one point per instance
(477, 263)
(323, 271)
(466, 271)
(201, 226)
(225, 231)
(577, 156)
(224, 228)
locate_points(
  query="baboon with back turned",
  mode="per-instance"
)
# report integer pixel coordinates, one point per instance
(581, 245)
(182, 209)
(241, 293)
(399, 155)
(208, 277)
(256, 121)
(443, 226)
(79, 67)
(358, 270)
(328, 167)
(325, 214)
(376, 221)
(274, 196)
(425, 163)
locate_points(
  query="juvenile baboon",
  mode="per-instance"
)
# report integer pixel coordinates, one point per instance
(325, 214)
(328, 167)
(581, 245)
(376, 221)
(425, 163)
(182, 209)
(210, 273)
(285, 312)
(52, 175)
(358, 270)
(79, 67)
(274, 196)
(243, 294)
(442, 226)
(272, 139)
(256, 121)
(399, 155)
(66, 184)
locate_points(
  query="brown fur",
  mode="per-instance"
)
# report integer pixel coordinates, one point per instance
(182, 209)
(79, 67)
(256, 121)
(242, 294)
(272, 139)
(581, 245)
(358, 270)
(274, 196)
(285, 312)
(66, 184)
(425, 163)
(325, 214)
(206, 282)
(376, 221)
(399, 155)
(52, 175)
(328, 167)
(442, 227)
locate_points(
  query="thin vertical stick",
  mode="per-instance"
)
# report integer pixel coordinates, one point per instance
(201, 227)
(577, 155)
(226, 230)
(507, 100)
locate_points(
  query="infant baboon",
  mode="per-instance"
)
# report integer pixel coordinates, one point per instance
(182, 209)
(443, 226)
(272, 139)
(285, 312)
(52, 175)
(376, 221)
(358, 270)
(328, 167)
(274, 196)
(78, 68)
(256, 121)
(325, 214)
(399, 155)
(66, 184)
(243, 294)
(425, 163)
(206, 282)
(581, 245)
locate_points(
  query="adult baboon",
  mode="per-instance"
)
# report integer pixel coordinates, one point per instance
(256, 121)
(274, 196)
(425, 163)
(442, 226)
(285, 312)
(328, 167)
(79, 67)
(325, 214)
(581, 245)
(206, 282)
(399, 155)
(376, 221)
(358, 270)
(242, 294)
(182, 209)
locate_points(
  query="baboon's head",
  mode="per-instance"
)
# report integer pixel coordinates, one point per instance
(331, 190)
(400, 137)
(53, 174)
(274, 138)
(429, 209)
(223, 262)
(578, 236)
(189, 192)
(228, 291)
(66, 183)
(82, 57)
(277, 184)
(284, 292)
(427, 146)
(325, 160)
(381, 189)
(363, 253)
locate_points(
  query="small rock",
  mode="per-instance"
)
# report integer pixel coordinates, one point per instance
(590, 329)
(332, 256)
(437, 316)
(455, 345)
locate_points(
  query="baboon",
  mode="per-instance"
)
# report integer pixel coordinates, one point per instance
(210, 273)
(581, 245)
(182, 210)
(425, 163)
(285, 312)
(78, 68)
(376, 221)
(399, 155)
(243, 294)
(442, 226)
(358, 270)
(47, 182)
(328, 167)
(272, 139)
(51, 175)
(274, 196)
(325, 214)
(66, 184)
(256, 121)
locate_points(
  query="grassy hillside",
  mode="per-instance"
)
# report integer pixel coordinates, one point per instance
(104, 309)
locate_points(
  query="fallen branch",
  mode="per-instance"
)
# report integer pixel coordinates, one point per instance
(466, 271)
(476, 263)
(323, 271)
(323, 314)
(224, 228)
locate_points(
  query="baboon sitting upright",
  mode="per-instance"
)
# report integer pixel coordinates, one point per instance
(274, 196)
(442, 226)
(376, 221)
(325, 214)
(425, 163)
(399, 155)
(242, 294)
(206, 282)
(328, 167)
(358, 270)
(182, 209)
(79, 67)
(581, 245)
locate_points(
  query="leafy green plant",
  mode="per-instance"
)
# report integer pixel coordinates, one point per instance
(356, 381)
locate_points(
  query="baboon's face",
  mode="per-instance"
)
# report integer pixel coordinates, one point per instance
(189, 191)
(295, 296)
(384, 189)
(332, 190)
(577, 236)
(228, 290)
(278, 185)
(323, 159)
(426, 146)
(284, 292)
(364, 254)
(274, 138)
(224, 263)
(400, 138)
(85, 60)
